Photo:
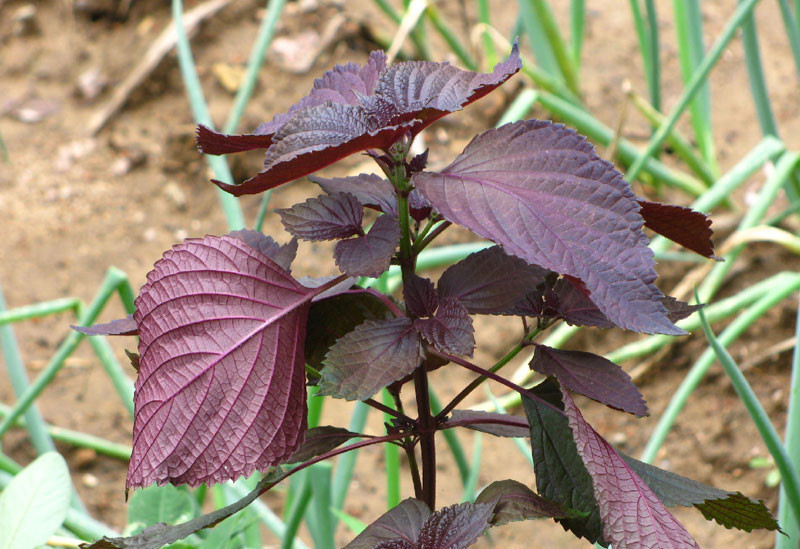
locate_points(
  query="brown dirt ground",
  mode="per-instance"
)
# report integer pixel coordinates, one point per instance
(68, 215)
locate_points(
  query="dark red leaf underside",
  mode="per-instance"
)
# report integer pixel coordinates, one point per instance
(324, 218)
(370, 254)
(221, 386)
(489, 281)
(371, 190)
(561, 475)
(283, 255)
(450, 329)
(499, 425)
(403, 521)
(121, 326)
(632, 515)
(420, 296)
(687, 227)
(539, 190)
(590, 375)
(513, 501)
(343, 84)
(418, 206)
(320, 440)
(370, 357)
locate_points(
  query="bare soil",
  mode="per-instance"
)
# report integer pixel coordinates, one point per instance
(71, 207)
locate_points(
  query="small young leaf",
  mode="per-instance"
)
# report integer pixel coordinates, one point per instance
(221, 386)
(730, 509)
(324, 218)
(678, 310)
(121, 326)
(283, 255)
(561, 475)
(450, 329)
(371, 254)
(513, 501)
(372, 356)
(590, 375)
(489, 281)
(632, 515)
(499, 425)
(333, 317)
(320, 440)
(35, 502)
(420, 296)
(418, 206)
(371, 190)
(539, 190)
(403, 521)
(687, 227)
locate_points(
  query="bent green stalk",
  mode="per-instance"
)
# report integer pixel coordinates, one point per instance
(786, 509)
(790, 478)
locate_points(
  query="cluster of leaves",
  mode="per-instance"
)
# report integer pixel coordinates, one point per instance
(229, 338)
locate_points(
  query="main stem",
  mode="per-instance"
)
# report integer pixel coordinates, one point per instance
(426, 423)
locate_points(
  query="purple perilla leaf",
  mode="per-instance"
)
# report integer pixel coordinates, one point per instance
(418, 206)
(513, 501)
(450, 329)
(371, 254)
(283, 255)
(326, 217)
(493, 423)
(632, 515)
(370, 357)
(343, 84)
(678, 310)
(489, 281)
(371, 190)
(590, 375)
(121, 326)
(539, 190)
(687, 227)
(420, 296)
(221, 386)
(326, 127)
(411, 525)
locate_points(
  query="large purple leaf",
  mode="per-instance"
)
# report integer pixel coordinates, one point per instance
(283, 255)
(324, 218)
(369, 254)
(371, 190)
(326, 127)
(561, 475)
(632, 515)
(403, 522)
(221, 386)
(370, 357)
(539, 190)
(513, 501)
(343, 84)
(687, 227)
(121, 326)
(450, 329)
(489, 281)
(590, 375)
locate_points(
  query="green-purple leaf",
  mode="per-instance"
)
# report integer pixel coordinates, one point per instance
(370, 254)
(632, 515)
(324, 218)
(513, 501)
(450, 329)
(489, 281)
(539, 190)
(371, 190)
(730, 509)
(320, 440)
(221, 386)
(370, 357)
(590, 375)
(561, 475)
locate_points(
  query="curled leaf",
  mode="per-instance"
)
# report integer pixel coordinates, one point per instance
(121, 326)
